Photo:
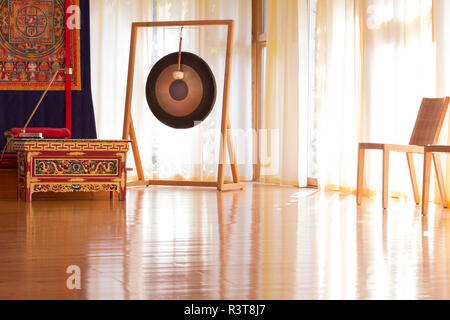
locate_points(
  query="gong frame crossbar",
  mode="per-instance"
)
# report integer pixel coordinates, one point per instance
(226, 142)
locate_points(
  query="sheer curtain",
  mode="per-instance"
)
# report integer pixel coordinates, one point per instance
(165, 152)
(375, 61)
(441, 10)
(338, 91)
(283, 136)
(110, 42)
(400, 69)
(110, 38)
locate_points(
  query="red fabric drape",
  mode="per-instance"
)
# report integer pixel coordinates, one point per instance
(68, 64)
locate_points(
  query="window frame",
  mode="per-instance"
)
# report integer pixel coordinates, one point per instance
(259, 42)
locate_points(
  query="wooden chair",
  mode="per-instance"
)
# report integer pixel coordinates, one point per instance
(430, 152)
(426, 132)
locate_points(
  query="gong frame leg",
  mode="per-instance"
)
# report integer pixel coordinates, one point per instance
(227, 140)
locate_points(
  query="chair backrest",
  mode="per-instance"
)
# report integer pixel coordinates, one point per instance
(429, 121)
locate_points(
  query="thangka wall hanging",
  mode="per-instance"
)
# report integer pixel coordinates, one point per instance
(16, 105)
(32, 45)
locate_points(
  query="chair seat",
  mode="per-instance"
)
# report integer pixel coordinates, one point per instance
(437, 148)
(53, 133)
(392, 147)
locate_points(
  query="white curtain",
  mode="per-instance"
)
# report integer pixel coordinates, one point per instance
(375, 61)
(110, 37)
(441, 12)
(166, 152)
(110, 22)
(338, 91)
(400, 69)
(283, 136)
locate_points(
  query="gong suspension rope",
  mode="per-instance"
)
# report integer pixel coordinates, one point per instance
(179, 74)
(179, 51)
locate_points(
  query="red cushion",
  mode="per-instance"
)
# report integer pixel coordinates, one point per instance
(61, 133)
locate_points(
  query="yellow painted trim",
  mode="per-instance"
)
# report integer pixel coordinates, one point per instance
(279, 181)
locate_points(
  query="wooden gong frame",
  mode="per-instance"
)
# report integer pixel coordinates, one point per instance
(226, 143)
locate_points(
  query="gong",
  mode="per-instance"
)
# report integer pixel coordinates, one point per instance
(181, 102)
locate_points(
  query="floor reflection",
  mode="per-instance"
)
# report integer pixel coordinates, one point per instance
(266, 242)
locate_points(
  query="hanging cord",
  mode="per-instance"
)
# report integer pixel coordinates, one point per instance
(179, 74)
(42, 98)
(3, 153)
(179, 51)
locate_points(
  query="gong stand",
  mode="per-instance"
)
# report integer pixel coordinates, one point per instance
(226, 142)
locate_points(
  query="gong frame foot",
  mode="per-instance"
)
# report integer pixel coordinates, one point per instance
(208, 184)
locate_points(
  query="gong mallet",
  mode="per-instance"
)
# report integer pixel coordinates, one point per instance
(23, 134)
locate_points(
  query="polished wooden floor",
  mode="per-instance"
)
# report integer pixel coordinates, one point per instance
(266, 242)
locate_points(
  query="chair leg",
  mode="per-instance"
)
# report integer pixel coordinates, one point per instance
(385, 178)
(440, 179)
(412, 173)
(360, 179)
(426, 182)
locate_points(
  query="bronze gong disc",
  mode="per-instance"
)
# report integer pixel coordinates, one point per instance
(181, 103)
